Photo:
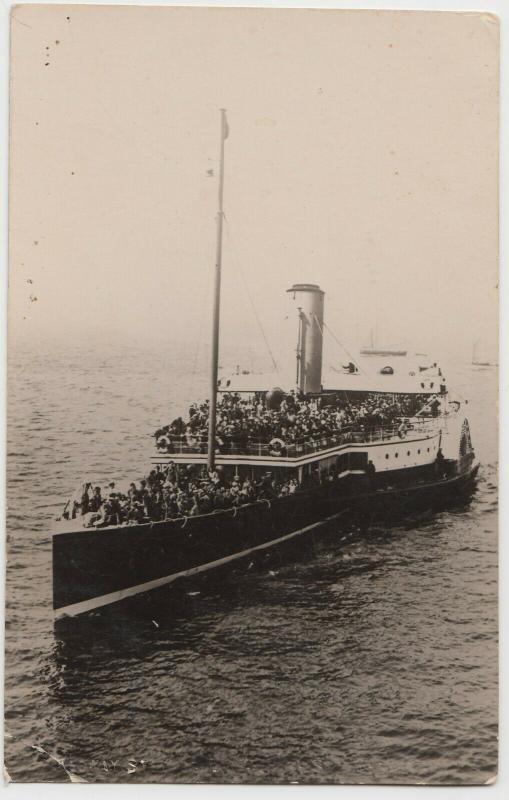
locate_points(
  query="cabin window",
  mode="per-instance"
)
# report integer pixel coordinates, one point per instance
(387, 455)
(396, 455)
(428, 449)
(419, 452)
(408, 452)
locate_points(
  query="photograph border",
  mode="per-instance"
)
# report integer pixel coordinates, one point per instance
(356, 792)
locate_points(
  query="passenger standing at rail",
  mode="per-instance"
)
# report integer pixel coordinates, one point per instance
(133, 493)
(85, 500)
(109, 489)
(96, 500)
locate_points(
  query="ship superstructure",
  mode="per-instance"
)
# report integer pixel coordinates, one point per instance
(411, 443)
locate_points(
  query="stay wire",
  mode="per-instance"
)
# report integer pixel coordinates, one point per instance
(240, 270)
(352, 359)
(320, 328)
(202, 315)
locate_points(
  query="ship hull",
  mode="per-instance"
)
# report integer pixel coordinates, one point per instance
(97, 568)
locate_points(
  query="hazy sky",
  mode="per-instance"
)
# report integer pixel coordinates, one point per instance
(362, 156)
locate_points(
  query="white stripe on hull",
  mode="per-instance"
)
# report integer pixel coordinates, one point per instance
(114, 597)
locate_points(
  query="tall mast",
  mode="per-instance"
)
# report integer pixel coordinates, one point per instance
(214, 361)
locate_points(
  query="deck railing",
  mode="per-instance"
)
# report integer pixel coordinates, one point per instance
(181, 445)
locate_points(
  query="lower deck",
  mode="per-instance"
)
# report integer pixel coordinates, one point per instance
(93, 568)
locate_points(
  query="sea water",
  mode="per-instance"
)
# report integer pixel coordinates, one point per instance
(373, 660)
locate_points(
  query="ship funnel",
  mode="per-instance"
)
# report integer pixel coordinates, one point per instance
(309, 301)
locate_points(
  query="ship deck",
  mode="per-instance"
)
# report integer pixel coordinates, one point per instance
(294, 454)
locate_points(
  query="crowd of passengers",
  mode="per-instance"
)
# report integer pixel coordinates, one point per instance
(186, 491)
(172, 492)
(241, 420)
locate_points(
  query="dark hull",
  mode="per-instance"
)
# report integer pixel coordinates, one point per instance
(94, 568)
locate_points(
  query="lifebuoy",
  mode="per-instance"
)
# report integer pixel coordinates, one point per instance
(276, 447)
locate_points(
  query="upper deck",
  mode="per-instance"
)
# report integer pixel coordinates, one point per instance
(306, 451)
(289, 429)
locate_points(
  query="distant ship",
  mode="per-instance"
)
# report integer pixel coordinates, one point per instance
(373, 350)
(378, 351)
(425, 458)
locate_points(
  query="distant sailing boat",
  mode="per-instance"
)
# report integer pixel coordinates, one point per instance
(476, 361)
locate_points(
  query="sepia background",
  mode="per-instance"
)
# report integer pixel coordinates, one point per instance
(363, 156)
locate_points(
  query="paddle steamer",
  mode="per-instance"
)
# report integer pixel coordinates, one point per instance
(429, 459)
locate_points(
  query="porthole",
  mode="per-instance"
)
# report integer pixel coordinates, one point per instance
(396, 455)
(419, 452)
(408, 452)
(387, 455)
(428, 449)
